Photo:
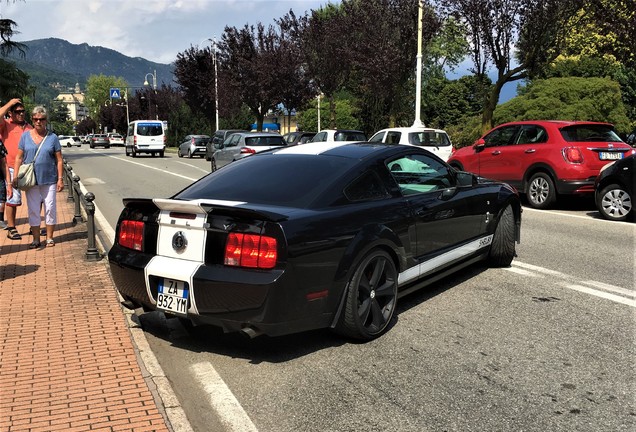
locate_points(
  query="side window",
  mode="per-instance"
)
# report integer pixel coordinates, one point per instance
(502, 136)
(377, 137)
(130, 130)
(320, 137)
(393, 137)
(417, 173)
(531, 134)
(366, 187)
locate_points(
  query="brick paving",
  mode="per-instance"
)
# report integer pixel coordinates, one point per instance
(67, 360)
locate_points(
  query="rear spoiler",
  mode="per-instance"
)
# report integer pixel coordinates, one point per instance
(208, 206)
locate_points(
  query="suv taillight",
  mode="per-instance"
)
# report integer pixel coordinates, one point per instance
(250, 250)
(131, 234)
(248, 150)
(573, 155)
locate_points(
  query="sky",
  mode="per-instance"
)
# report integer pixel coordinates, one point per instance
(156, 30)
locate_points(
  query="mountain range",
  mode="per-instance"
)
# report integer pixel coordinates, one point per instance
(58, 64)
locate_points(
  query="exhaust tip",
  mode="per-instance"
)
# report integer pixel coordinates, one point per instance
(250, 332)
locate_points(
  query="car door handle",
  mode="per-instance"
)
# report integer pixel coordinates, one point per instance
(530, 151)
(496, 152)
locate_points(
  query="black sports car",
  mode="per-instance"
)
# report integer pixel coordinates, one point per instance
(312, 236)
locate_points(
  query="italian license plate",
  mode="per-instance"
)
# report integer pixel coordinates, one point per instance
(611, 156)
(172, 296)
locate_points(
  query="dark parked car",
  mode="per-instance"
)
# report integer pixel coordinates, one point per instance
(311, 236)
(295, 138)
(217, 139)
(193, 145)
(99, 140)
(543, 159)
(614, 190)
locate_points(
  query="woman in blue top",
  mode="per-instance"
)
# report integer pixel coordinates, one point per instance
(48, 173)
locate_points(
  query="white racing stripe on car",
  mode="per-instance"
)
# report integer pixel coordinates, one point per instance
(599, 289)
(438, 261)
(226, 406)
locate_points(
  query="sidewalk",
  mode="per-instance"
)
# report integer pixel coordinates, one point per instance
(67, 359)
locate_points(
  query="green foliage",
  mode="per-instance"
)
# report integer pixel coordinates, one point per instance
(346, 115)
(98, 92)
(13, 82)
(465, 132)
(592, 99)
(59, 121)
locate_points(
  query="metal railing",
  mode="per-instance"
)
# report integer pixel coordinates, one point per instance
(72, 184)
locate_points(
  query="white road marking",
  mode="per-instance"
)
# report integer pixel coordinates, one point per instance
(595, 288)
(222, 400)
(588, 218)
(150, 167)
(193, 166)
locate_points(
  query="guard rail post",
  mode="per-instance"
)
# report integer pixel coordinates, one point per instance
(92, 254)
(76, 197)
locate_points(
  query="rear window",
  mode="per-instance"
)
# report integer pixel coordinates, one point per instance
(265, 141)
(284, 180)
(429, 138)
(590, 133)
(149, 129)
(201, 141)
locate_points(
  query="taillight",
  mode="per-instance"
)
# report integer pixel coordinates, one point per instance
(131, 234)
(250, 250)
(573, 155)
(248, 150)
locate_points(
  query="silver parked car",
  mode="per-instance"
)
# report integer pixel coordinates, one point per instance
(243, 144)
(193, 145)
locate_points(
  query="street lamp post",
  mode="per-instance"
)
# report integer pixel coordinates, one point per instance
(154, 86)
(216, 81)
(418, 74)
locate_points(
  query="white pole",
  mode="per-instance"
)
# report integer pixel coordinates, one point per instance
(319, 112)
(216, 87)
(418, 72)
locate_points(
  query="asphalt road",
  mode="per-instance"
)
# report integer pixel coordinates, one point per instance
(545, 345)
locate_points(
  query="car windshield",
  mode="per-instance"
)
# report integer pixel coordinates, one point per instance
(349, 136)
(589, 133)
(284, 180)
(265, 141)
(429, 138)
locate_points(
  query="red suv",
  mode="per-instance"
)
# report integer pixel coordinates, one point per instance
(543, 158)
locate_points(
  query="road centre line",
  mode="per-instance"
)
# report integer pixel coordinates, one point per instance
(587, 218)
(612, 297)
(222, 400)
(193, 166)
(151, 167)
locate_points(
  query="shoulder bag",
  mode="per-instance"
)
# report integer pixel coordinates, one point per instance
(26, 172)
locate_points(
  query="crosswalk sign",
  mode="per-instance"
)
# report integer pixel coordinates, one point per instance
(115, 93)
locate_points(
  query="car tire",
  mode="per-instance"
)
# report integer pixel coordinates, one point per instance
(126, 150)
(161, 154)
(502, 249)
(541, 193)
(179, 153)
(134, 152)
(92, 146)
(371, 297)
(189, 154)
(615, 203)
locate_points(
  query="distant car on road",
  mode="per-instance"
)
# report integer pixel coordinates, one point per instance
(434, 140)
(340, 135)
(319, 235)
(543, 159)
(217, 139)
(295, 138)
(243, 144)
(70, 141)
(116, 139)
(99, 140)
(614, 189)
(193, 145)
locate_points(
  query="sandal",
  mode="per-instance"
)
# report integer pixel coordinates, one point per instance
(50, 243)
(13, 233)
(35, 245)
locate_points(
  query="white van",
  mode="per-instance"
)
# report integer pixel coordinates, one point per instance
(145, 136)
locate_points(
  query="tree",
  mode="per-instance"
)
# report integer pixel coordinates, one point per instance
(534, 28)
(98, 92)
(194, 72)
(248, 60)
(591, 99)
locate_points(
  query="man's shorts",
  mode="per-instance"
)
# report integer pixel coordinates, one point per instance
(15, 199)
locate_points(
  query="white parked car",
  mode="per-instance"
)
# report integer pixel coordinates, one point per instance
(340, 135)
(69, 141)
(434, 140)
(116, 139)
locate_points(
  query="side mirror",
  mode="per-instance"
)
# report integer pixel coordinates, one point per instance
(218, 146)
(465, 178)
(479, 144)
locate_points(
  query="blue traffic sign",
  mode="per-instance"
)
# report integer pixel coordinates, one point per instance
(115, 93)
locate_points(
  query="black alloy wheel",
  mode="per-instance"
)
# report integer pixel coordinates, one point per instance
(371, 297)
